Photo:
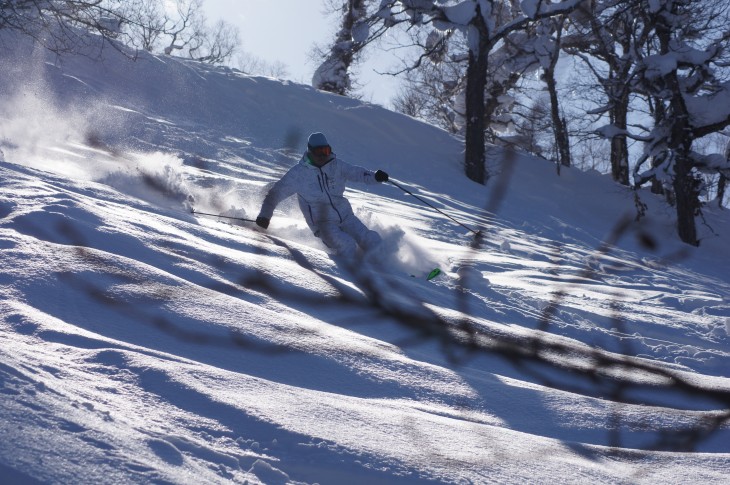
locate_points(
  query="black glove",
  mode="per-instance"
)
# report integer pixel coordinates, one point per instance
(381, 176)
(262, 222)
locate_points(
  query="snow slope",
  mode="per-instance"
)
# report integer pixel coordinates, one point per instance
(143, 344)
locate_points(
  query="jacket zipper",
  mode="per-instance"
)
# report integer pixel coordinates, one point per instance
(324, 187)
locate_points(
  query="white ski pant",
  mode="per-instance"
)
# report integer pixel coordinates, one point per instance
(344, 238)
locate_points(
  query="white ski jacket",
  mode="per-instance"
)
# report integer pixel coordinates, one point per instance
(320, 191)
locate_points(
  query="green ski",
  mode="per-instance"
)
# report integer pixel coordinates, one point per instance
(434, 273)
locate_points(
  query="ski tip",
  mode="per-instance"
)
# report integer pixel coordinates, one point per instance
(434, 273)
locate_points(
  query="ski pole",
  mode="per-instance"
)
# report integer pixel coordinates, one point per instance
(224, 217)
(476, 233)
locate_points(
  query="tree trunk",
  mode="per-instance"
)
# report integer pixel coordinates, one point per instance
(721, 185)
(619, 146)
(559, 129)
(474, 152)
(685, 184)
(476, 81)
(686, 187)
(723, 182)
(659, 113)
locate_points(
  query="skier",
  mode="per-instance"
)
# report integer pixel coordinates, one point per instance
(319, 182)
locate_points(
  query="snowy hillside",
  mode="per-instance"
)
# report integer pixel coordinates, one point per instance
(140, 343)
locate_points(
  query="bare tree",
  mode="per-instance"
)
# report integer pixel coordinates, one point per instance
(532, 122)
(485, 24)
(250, 64)
(183, 29)
(64, 26)
(186, 28)
(146, 23)
(535, 49)
(690, 40)
(606, 36)
(550, 53)
(434, 87)
(216, 46)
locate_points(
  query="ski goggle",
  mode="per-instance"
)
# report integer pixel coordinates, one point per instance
(321, 151)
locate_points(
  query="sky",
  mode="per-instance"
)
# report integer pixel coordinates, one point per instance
(142, 343)
(286, 31)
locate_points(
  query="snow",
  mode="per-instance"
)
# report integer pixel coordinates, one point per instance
(360, 32)
(460, 14)
(530, 8)
(140, 343)
(704, 110)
